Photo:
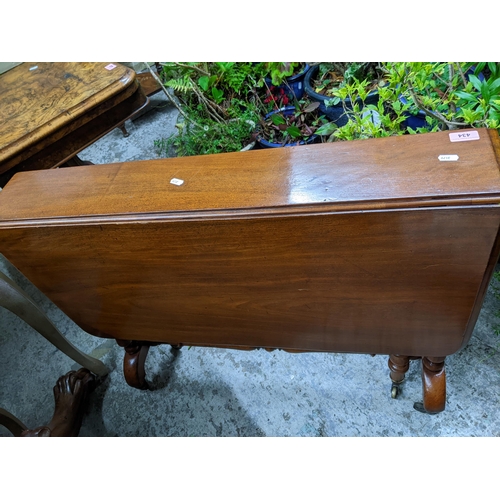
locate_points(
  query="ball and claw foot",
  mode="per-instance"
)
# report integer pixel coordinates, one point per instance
(71, 395)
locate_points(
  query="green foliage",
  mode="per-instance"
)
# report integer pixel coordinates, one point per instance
(181, 84)
(479, 102)
(327, 129)
(219, 100)
(326, 76)
(285, 126)
(213, 85)
(210, 136)
(450, 94)
(368, 120)
(279, 71)
(336, 75)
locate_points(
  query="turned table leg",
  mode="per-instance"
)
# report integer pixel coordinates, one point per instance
(433, 385)
(398, 365)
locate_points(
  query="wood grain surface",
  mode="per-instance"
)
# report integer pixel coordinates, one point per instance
(50, 113)
(376, 282)
(376, 173)
(34, 102)
(250, 252)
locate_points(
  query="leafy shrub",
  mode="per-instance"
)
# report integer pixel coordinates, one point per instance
(209, 136)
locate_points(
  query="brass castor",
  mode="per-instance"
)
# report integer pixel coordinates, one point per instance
(395, 390)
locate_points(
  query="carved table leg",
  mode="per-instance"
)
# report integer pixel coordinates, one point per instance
(398, 365)
(71, 395)
(133, 362)
(434, 386)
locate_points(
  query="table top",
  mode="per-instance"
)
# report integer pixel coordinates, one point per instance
(376, 173)
(37, 99)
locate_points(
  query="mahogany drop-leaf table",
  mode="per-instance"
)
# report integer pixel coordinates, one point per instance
(380, 246)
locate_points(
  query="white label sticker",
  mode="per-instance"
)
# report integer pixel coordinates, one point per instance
(448, 157)
(177, 182)
(464, 136)
(109, 67)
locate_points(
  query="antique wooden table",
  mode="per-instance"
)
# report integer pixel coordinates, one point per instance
(381, 246)
(51, 111)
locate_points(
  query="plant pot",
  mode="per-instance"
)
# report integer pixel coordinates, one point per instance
(293, 86)
(264, 143)
(413, 121)
(334, 113)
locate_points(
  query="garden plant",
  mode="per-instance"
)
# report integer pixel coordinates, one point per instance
(224, 104)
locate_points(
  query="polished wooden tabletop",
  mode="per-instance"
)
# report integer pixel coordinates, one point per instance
(374, 173)
(38, 98)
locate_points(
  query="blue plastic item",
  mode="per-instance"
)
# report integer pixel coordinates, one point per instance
(413, 121)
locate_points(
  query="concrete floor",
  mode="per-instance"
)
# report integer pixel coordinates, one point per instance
(219, 392)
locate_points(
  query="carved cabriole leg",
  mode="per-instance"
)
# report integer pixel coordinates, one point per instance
(134, 361)
(398, 365)
(433, 385)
